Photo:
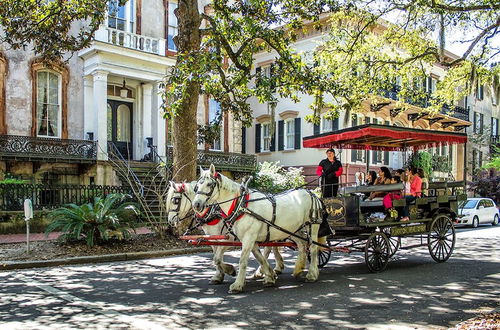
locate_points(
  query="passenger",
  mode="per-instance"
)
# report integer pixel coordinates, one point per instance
(387, 201)
(399, 172)
(371, 177)
(425, 181)
(415, 190)
(384, 177)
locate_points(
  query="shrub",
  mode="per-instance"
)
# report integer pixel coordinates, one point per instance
(273, 178)
(111, 217)
(486, 183)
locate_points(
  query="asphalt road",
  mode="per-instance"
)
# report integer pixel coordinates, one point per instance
(413, 292)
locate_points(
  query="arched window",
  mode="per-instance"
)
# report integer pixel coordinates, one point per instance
(48, 104)
(49, 100)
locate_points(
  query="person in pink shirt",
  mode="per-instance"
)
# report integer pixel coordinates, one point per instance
(415, 190)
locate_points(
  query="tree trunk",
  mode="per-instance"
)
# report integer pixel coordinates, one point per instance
(184, 125)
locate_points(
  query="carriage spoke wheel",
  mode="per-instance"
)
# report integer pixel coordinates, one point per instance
(377, 252)
(394, 242)
(441, 238)
(323, 256)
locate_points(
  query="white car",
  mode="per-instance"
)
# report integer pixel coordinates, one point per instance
(476, 211)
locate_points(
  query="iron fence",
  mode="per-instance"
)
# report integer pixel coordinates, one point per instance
(43, 196)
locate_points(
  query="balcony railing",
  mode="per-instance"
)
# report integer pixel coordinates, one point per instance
(453, 111)
(228, 161)
(132, 40)
(36, 148)
(43, 196)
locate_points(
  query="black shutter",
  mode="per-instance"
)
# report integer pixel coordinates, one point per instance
(281, 139)
(243, 140)
(272, 147)
(354, 155)
(367, 120)
(273, 81)
(335, 125)
(354, 121)
(297, 134)
(258, 71)
(386, 153)
(316, 129)
(257, 138)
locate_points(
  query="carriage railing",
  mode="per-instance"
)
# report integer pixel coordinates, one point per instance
(44, 196)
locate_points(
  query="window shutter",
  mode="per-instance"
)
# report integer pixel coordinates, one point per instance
(335, 125)
(367, 120)
(354, 120)
(258, 71)
(243, 140)
(297, 134)
(316, 129)
(386, 157)
(271, 73)
(257, 138)
(281, 139)
(354, 155)
(272, 147)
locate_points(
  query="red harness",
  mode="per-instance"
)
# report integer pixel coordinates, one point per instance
(229, 212)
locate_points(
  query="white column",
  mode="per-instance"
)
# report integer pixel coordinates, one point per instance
(101, 108)
(89, 115)
(160, 124)
(147, 116)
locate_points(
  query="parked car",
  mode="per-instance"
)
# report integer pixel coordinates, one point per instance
(476, 211)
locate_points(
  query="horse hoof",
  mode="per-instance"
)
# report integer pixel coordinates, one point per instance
(310, 280)
(278, 272)
(300, 275)
(215, 282)
(235, 289)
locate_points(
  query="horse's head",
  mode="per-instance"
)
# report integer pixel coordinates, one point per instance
(179, 198)
(207, 188)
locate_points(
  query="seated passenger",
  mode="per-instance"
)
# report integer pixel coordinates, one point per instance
(384, 177)
(415, 190)
(387, 201)
(371, 177)
(425, 181)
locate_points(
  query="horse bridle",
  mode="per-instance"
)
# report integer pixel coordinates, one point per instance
(213, 184)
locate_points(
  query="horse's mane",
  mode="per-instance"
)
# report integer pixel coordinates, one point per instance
(225, 182)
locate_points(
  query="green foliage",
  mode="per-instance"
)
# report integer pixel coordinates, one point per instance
(423, 160)
(273, 178)
(107, 218)
(15, 223)
(494, 163)
(52, 28)
(441, 163)
(11, 179)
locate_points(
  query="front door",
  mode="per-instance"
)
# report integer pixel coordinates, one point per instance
(120, 126)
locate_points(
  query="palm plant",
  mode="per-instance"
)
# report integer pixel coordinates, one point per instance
(112, 216)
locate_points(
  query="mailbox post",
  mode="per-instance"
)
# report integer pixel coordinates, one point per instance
(28, 215)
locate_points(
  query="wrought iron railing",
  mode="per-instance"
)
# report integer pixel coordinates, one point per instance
(423, 102)
(228, 161)
(36, 148)
(44, 196)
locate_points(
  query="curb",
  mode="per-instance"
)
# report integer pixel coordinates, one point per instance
(100, 259)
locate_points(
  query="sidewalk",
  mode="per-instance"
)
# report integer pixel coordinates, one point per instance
(21, 238)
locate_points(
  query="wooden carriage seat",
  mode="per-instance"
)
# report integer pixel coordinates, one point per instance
(368, 189)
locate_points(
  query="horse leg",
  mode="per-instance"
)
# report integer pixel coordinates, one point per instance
(221, 267)
(258, 273)
(247, 245)
(313, 273)
(278, 268)
(300, 263)
(218, 277)
(269, 275)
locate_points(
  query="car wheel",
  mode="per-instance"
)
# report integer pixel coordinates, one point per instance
(495, 220)
(475, 222)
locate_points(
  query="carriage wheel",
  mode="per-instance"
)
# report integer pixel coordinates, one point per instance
(377, 252)
(441, 238)
(323, 256)
(394, 242)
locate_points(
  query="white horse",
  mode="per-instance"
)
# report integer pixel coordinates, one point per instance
(179, 197)
(295, 215)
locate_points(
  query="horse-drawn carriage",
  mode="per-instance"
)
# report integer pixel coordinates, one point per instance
(350, 214)
(270, 220)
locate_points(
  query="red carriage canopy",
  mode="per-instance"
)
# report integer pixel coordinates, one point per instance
(383, 137)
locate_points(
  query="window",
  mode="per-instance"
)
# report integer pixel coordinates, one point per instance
(480, 92)
(214, 113)
(326, 125)
(121, 17)
(494, 126)
(265, 71)
(48, 104)
(478, 123)
(172, 26)
(430, 85)
(290, 134)
(266, 137)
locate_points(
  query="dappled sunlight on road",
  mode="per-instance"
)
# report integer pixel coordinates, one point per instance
(413, 292)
